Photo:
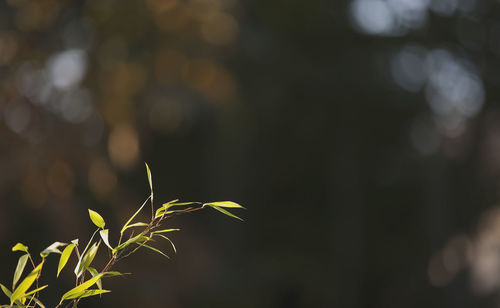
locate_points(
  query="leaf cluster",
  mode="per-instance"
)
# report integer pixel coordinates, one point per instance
(133, 237)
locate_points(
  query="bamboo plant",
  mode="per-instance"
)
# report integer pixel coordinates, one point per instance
(88, 280)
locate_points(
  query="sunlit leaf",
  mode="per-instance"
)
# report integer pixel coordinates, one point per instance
(83, 254)
(172, 243)
(74, 293)
(87, 259)
(136, 239)
(88, 293)
(156, 250)
(161, 212)
(19, 269)
(5, 290)
(52, 249)
(20, 291)
(94, 273)
(165, 230)
(97, 219)
(75, 241)
(226, 212)
(150, 182)
(105, 239)
(36, 290)
(113, 274)
(64, 257)
(137, 224)
(164, 209)
(133, 216)
(20, 247)
(38, 302)
(149, 177)
(229, 204)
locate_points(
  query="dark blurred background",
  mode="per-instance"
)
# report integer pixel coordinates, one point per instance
(363, 137)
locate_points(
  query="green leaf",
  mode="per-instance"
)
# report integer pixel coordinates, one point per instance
(97, 219)
(88, 293)
(104, 236)
(26, 284)
(36, 290)
(86, 260)
(156, 250)
(113, 274)
(149, 178)
(230, 204)
(94, 273)
(74, 293)
(5, 290)
(52, 249)
(150, 183)
(172, 243)
(20, 247)
(83, 253)
(165, 230)
(164, 209)
(64, 257)
(133, 216)
(173, 203)
(19, 269)
(225, 212)
(38, 302)
(161, 211)
(136, 239)
(137, 224)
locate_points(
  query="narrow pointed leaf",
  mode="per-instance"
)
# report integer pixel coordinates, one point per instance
(172, 243)
(229, 204)
(97, 219)
(225, 212)
(19, 269)
(88, 293)
(136, 239)
(94, 273)
(5, 290)
(161, 212)
(133, 216)
(64, 257)
(164, 209)
(20, 247)
(87, 259)
(113, 274)
(149, 178)
(36, 290)
(38, 302)
(150, 184)
(20, 291)
(52, 249)
(170, 204)
(105, 239)
(77, 268)
(75, 241)
(165, 230)
(156, 250)
(73, 293)
(137, 224)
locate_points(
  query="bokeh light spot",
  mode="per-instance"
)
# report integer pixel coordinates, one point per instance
(123, 146)
(67, 68)
(219, 28)
(33, 189)
(166, 116)
(102, 179)
(60, 179)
